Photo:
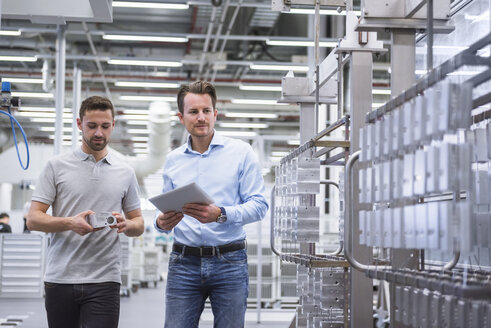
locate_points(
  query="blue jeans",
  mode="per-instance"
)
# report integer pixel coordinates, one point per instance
(82, 305)
(191, 280)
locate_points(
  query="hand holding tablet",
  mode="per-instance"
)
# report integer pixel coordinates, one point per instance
(175, 199)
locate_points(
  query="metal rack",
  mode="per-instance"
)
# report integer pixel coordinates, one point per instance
(22, 264)
(425, 297)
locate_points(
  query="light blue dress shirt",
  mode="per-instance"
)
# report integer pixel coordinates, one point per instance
(230, 173)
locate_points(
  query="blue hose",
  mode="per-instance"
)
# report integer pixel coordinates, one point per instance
(12, 121)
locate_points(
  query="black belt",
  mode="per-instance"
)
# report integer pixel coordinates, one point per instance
(207, 251)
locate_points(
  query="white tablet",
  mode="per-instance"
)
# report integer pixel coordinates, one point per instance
(175, 199)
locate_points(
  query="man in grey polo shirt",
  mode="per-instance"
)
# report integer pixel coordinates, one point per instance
(83, 275)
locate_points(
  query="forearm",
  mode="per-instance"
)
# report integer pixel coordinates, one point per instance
(40, 221)
(134, 227)
(251, 211)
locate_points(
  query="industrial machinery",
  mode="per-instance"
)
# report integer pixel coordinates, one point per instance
(415, 217)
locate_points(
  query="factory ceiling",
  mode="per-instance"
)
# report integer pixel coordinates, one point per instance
(146, 53)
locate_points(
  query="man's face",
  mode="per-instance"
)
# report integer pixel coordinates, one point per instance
(198, 115)
(96, 127)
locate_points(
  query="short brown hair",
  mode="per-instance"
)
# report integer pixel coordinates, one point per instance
(95, 103)
(198, 87)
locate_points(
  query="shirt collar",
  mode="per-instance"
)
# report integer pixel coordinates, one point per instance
(80, 154)
(217, 140)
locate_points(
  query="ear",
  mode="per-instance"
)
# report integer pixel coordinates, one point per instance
(215, 114)
(79, 124)
(181, 118)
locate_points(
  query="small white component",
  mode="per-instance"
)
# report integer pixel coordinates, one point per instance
(418, 123)
(409, 227)
(421, 222)
(377, 140)
(408, 176)
(387, 228)
(433, 225)
(407, 128)
(397, 227)
(419, 172)
(432, 169)
(396, 133)
(100, 220)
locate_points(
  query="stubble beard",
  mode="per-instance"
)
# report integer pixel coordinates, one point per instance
(94, 146)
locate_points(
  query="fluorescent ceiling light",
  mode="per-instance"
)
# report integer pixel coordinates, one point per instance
(140, 145)
(149, 5)
(142, 38)
(136, 111)
(245, 125)
(258, 87)
(49, 120)
(295, 68)
(139, 138)
(19, 58)
(140, 151)
(137, 62)
(135, 84)
(138, 131)
(147, 98)
(137, 122)
(291, 43)
(134, 117)
(42, 109)
(381, 91)
(331, 12)
(279, 153)
(41, 114)
(10, 33)
(238, 133)
(32, 94)
(257, 102)
(22, 80)
(293, 142)
(251, 115)
(66, 137)
(52, 129)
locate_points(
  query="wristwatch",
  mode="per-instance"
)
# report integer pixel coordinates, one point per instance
(222, 218)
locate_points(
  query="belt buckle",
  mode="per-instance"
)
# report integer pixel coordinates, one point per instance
(213, 251)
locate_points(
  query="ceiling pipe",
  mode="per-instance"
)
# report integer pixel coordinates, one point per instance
(46, 76)
(159, 126)
(207, 41)
(218, 34)
(97, 61)
(227, 35)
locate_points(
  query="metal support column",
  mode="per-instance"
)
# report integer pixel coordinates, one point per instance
(403, 65)
(60, 87)
(361, 299)
(77, 93)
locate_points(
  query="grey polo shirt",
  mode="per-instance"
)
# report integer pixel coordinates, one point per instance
(73, 183)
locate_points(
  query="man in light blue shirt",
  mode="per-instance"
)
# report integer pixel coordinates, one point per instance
(209, 257)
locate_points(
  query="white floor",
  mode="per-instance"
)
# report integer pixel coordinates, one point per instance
(144, 308)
